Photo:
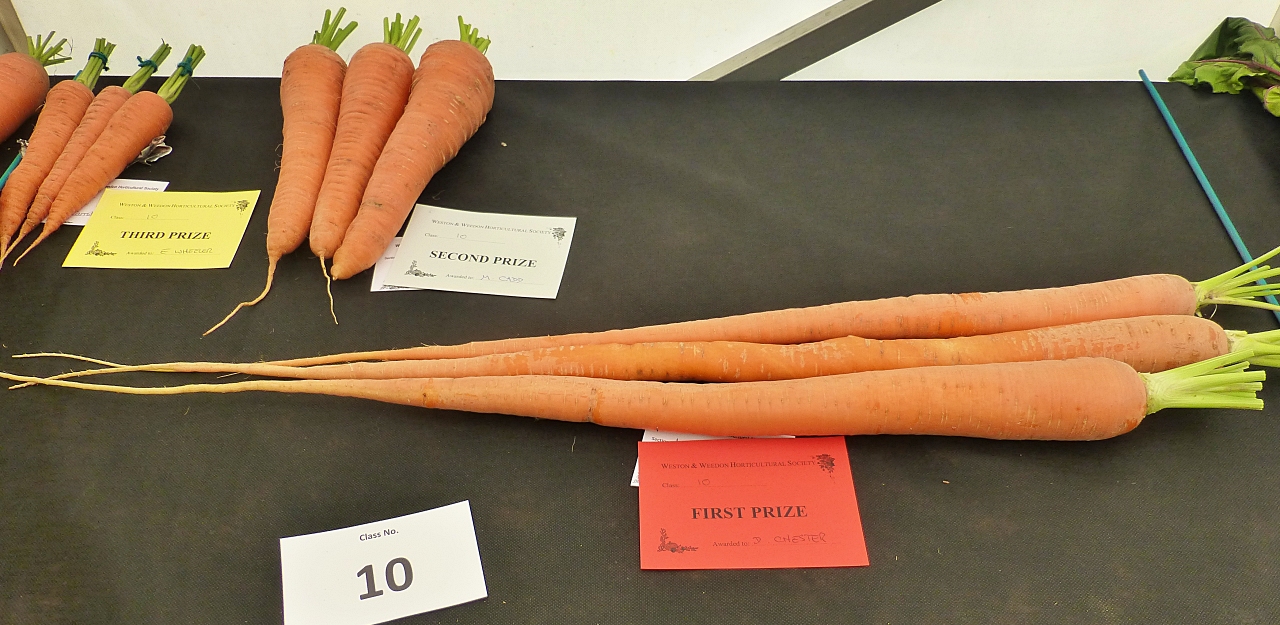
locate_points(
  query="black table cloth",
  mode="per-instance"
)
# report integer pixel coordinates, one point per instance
(693, 200)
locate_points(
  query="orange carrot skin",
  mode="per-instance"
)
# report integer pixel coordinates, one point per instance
(64, 106)
(451, 97)
(374, 92)
(23, 85)
(1078, 399)
(310, 96)
(92, 123)
(143, 117)
(1148, 344)
(917, 316)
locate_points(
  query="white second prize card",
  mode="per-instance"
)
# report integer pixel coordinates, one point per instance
(382, 571)
(491, 253)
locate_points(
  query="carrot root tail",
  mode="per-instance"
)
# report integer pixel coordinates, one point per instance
(271, 272)
(328, 289)
(95, 361)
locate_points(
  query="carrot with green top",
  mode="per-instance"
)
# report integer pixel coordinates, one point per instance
(310, 96)
(451, 97)
(92, 123)
(24, 82)
(374, 92)
(64, 107)
(917, 316)
(1077, 399)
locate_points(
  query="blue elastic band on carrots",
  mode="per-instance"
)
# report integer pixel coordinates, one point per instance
(184, 67)
(98, 55)
(1204, 181)
(148, 63)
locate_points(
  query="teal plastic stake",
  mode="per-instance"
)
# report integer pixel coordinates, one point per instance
(1204, 181)
(12, 166)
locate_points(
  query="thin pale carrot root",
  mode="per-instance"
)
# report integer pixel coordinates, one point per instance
(328, 289)
(271, 272)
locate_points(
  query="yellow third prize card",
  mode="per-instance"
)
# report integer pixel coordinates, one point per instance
(163, 230)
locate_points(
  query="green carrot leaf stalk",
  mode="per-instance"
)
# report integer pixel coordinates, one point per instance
(1240, 286)
(1221, 382)
(1264, 345)
(45, 54)
(96, 64)
(400, 35)
(330, 34)
(147, 67)
(472, 36)
(172, 88)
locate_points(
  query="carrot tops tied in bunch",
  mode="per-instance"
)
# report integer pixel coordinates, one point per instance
(143, 117)
(92, 123)
(64, 107)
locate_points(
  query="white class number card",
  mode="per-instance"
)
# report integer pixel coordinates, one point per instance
(382, 571)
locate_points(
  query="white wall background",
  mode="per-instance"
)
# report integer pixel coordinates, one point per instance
(672, 39)
(1037, 40)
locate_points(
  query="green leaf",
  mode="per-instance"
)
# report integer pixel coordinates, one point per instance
(1238, 55)
(1270, 97)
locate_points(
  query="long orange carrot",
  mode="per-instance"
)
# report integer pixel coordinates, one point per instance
(92, 123)
(310, 96)
(24, 81)
(64, 106)
(917, 316)
(1148, 344)
(1078, 399)
(374, 92)
(143, 117)
(452, 94)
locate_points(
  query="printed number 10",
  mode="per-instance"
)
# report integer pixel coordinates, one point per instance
(367, 574)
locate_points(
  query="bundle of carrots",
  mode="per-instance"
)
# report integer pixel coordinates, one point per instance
(81, 142)
(362, 141)
(1080, 362)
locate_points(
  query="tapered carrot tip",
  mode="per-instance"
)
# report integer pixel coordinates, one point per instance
(44, 234)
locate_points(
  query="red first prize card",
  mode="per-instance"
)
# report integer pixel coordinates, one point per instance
(748, 504)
